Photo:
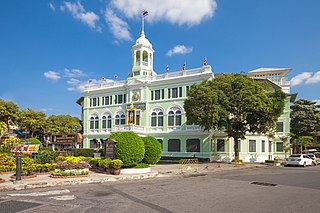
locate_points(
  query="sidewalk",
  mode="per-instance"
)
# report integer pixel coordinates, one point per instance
(159, 170)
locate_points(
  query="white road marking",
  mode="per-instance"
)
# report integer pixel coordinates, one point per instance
(38, 194)
(64, 197)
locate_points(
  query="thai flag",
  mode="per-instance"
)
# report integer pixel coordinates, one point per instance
(116, 76)
(205, 62)
(183, 66)
(145, 13)
(167, 69)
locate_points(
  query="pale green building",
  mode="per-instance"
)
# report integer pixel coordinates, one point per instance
(148, 103)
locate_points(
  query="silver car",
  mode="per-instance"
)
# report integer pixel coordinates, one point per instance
(299, 160)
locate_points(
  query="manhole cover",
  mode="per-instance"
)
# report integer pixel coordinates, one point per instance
(264, 184)
(12, 206)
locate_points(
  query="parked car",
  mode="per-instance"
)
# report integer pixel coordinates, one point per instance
(299, 160)
(316, 157)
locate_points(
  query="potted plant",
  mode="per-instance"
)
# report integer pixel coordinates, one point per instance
(116, 165)
(106, 164)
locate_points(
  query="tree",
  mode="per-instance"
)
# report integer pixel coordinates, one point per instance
(304, 141)
(63, 124)
(236, 104)
(8, 111)
(3, 129)
(305, 118)
(32, 121)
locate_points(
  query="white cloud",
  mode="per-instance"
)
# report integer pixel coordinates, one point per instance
(298, 79)
(52, 7)
(181, 12)
(78, 12)
(314, 79)
(317, 101)
(118, 27)
(306, 77)
(74, 73)
(179, 49)
(77, 85)
(52, 75)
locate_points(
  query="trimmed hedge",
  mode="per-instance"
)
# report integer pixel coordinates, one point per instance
(129, 149)
(86, 152)
(153, 150)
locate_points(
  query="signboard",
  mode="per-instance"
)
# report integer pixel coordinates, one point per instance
(65, 139)
(141, 106)
(110, 149)
(22, 148)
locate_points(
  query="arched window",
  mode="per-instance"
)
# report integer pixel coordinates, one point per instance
(123, 119)
(94, 122)
(109, 122)
(157, 117)
(120, 118)
(153, 119)
(171, 118)
(145, 58)
(138, 58)
(174, 116)
(160, 119)
(117, 119)
(106, 121)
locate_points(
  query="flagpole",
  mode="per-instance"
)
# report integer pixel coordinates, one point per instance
(142, 27)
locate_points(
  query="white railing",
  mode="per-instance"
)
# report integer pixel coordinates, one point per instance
(168, 75)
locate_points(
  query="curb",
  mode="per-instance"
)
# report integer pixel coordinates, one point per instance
(22, 186)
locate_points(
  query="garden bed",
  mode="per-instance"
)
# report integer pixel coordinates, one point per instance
(70, 176)
(24, 176)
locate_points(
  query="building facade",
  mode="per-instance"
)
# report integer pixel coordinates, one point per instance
(151, 104)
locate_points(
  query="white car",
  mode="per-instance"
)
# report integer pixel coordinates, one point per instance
(299, 160)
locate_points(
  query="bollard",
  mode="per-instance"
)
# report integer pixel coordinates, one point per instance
(18, 167)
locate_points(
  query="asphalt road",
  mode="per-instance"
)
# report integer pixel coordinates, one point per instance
(252, 190)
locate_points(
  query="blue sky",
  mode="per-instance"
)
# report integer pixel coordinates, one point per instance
(50, 49)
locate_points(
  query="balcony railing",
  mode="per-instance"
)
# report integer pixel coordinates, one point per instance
(176, 74)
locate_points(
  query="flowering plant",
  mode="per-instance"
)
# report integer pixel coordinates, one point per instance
(73, 165)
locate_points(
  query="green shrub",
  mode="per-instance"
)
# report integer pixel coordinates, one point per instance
(129, 149)
(46, 156)
(95, 161)
(105, 163)
(269, 161)
(153, 150)
(74, 159)
(141, 166)
(34, 141)
(60, 158)
(86, 152)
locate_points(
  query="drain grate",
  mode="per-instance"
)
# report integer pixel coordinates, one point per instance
(12, 206)
(264, 184)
